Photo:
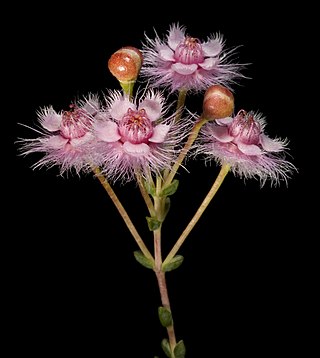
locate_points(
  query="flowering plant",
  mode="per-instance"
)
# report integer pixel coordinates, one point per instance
(147, 135)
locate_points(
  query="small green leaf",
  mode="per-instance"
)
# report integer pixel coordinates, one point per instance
(153, 223)
(175, 262)
(167, 205)
(165, 345)
(171, 189)
(165, 316)
(144, 261)
(150, 188)
(179, 350)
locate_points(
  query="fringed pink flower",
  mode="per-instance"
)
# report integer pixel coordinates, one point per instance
(136, 138)
(66, 137)
(241, 143)
(184, 62)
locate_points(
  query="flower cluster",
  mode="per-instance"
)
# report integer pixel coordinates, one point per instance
(184, 62)
(123, 136)
(146, 136)
(138, 135)
(126, 135)
(240, 141)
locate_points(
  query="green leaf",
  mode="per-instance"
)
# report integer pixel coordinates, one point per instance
(175, 262)
(165, 316)
(165, 345)
(144, 261)
(171, 189)
(153, 223)
(167, 204)
(150, 188)
(179, 350)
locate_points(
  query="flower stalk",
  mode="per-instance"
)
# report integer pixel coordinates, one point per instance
(123, 213)
(216, 185)
(192, 137)
(180, 103)
(145, 195)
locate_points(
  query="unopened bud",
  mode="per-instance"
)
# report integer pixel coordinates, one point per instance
(125, 64)
(218, 102)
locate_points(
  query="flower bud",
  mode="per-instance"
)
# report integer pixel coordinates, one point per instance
(125, 64)
(218, 102)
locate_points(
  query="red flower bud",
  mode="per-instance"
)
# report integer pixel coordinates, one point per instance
(218, 102)
(125, 64)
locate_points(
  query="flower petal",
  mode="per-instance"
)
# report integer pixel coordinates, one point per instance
(51, 121)
(165, 53)
(221, 133)
(176, 35)
(212, 48)
(107, 131)
(224, 121)
(159, 133)
(152, 107)
(91, 106)
(184, 69)
(120, 107)
(56, 142)
(102, 116)
(76, 142)
(208, 63)
(270, 145)
(136, 150)
(249, 149)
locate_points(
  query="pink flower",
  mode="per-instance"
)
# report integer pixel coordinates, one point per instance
(241, 143)
(65, 138)
(184, 62)
(135, 136)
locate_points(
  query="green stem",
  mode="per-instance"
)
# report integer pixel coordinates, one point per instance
(192, 136)
(166, 304)
(180, 103)
(216, 185)
(123, 213)
(161, 279)
(145, 195)
(127, 87)
(159, 208)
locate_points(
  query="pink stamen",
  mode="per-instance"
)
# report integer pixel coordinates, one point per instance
(135, 127)
(75, 123)
(189, 51)
(245, 129)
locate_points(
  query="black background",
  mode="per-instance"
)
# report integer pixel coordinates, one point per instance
(71, 282)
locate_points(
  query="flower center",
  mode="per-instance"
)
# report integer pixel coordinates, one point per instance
(75, 123)
(135, 127)
(189, 51)
(245, 129)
